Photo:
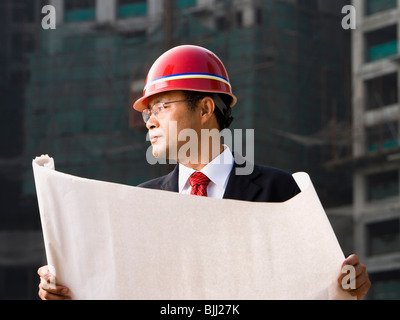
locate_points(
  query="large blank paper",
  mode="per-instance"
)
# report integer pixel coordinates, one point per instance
(111, 241)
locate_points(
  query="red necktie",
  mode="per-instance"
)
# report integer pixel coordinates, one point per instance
(199, 182)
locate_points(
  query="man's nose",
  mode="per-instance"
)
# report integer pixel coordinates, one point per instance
(152, 122)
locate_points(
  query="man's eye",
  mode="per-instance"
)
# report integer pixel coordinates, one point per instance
(161, 109)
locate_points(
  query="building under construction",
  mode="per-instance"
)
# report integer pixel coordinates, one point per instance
(375, 158)
(289, 64)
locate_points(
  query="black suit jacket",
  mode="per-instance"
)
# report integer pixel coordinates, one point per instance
(264, 184)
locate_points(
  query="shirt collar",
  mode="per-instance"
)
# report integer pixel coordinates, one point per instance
(218, 170)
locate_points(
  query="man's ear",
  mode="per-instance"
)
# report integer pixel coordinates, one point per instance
(207, 107)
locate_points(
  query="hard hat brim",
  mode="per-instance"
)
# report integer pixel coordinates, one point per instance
(143, 102)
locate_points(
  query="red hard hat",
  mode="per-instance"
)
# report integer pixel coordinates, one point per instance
(186, 67)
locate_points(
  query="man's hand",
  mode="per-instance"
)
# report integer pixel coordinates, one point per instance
(48, 289)
(362, 282)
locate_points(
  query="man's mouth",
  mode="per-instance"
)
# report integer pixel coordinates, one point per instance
(154, 139)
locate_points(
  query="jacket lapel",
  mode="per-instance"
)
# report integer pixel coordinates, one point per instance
(170, 182)
(242, 187)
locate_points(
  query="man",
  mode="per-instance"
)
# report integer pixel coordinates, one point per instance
(187, 93)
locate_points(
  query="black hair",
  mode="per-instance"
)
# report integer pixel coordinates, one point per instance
(224, 118)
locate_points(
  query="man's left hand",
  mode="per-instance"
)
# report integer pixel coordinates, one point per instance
(362, 282)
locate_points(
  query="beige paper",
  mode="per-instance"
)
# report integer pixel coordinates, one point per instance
(112, 241)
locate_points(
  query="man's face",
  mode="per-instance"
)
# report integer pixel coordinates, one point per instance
(166, 126)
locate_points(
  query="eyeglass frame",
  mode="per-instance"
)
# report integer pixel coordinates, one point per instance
(146, 113)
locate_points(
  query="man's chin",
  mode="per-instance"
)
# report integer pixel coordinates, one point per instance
(159, 153)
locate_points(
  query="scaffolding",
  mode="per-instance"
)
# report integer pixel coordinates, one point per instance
(79, 102)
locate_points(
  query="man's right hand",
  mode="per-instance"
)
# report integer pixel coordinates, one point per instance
(48, 289)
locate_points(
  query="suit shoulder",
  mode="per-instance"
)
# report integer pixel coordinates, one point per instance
(153, 183)
(272, 172)
(281, 181)
(168, 182)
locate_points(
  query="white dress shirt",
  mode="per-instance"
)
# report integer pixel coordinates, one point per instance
(218, 171)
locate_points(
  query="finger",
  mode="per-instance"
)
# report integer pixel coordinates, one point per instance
(346, 271)
(45, 295)
(352, 274)
(351, 260)
(362, 285)
(361, 291)
(359, 274)
(360, 269)
(358, 286)
(47, 281)
(43, 271)
(52, 287)
(349, 285)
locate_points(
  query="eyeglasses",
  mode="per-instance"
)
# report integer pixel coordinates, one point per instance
(157, 108)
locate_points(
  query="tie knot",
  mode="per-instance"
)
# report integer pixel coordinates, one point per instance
(199, 182)
(198, 178)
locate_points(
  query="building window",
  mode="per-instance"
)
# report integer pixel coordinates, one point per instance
(131, 8)
(239, 18)
(375, 6)
(382, 185)
(186, 3)
(383, 237)
(79, 10)
(259, 17)
(311, 4)
(381, 43)
(383, 136)
(381, 91)
(222, 23)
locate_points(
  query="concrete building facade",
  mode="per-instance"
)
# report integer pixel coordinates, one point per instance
(376, 151)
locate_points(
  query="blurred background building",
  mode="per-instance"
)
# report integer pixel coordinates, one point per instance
(21, 243)
(315, 105)
(375, 160)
